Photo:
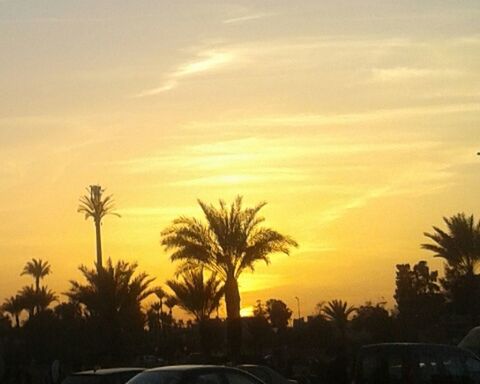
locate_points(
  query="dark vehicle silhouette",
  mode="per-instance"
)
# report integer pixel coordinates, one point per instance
(266, 374)
(103, 376)
(195, 374)
(416, 363)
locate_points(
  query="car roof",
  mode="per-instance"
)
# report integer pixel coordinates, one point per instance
(409, 345)
(195, 367)
(109, 371)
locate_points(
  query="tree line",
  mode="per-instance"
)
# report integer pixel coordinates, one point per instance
(104, 321)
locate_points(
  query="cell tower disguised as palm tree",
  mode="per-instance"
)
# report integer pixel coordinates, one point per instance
(96, 206)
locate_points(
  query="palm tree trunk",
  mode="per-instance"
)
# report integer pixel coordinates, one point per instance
(232, 298)
(37, 284)
(234, 322)
(99, 244)
(17, 320)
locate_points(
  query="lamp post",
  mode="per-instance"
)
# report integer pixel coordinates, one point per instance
(298, 306)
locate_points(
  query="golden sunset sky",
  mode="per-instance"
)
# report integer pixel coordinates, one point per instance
(357, 121)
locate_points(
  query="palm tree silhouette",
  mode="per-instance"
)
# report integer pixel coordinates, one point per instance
(29, 299)
(230, 242)
(459, 245)
(196, 296)
(171, 302)
(199, 297)
(338, 312)
(38, 269)
(96, 206)
(111, 289)
(14, 307)
(111, 301)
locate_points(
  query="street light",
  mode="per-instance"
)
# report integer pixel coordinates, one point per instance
(298, 306)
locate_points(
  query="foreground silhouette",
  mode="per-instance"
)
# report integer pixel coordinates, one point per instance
(229, 242)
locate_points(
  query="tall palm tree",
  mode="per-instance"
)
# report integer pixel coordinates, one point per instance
(459, 245)
(338, 312)
(14, 307)
(196, 296)
(38, 269)
(230, 242)
(96, 206)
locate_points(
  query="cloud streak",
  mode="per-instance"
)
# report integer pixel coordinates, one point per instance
(245, 18)
(206, 61)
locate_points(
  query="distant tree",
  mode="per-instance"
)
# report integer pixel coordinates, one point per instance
(111, 300)
(170, 303)
(259, 330)
(34, 301)
(161, 295)
(195, 295)
(38, 269)
(375, 321)
(198, 297)
(278, 313)
(459, 246)
(96, 206)
(230, 242)
(259, 309)
(28, 299)
(69, 311)
(14, 307)
(339, 313)
(418, 297)
(44, 298)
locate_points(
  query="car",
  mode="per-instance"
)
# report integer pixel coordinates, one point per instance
(471, 341)
(266, 374)
(416, 363)
(195, 374)
(103, 376)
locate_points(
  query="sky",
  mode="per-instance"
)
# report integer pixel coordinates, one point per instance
(358, 123)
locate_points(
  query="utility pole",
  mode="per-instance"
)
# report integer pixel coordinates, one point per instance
(298, 306)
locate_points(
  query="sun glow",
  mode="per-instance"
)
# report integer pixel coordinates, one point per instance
(246, 311)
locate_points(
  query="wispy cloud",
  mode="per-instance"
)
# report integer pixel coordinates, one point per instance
(206, 61)
(407, 73)
(307, 120)
(245, 18)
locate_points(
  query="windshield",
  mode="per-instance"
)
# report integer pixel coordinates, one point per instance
(114, 378)
(83, 379)
(156, 377)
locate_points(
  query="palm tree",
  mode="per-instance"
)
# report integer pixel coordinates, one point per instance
(230, 242)
(97, 207)
(199, 297)
(112, 289)
(338, 312)
(44, 298)
(196, 296)
(111, 301)
(28, 299)
(38, 269)
(14, 307)
(459, 245)
(171, 302)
